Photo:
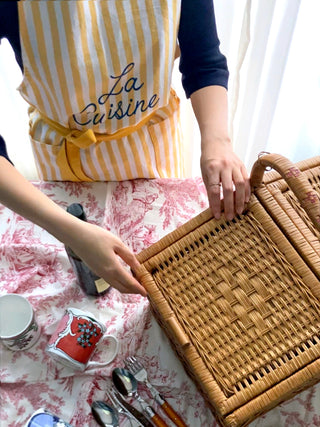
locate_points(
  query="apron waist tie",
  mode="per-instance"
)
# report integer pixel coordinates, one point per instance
(68, 157)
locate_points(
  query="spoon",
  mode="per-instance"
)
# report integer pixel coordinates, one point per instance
(104, 414)
(127, 385)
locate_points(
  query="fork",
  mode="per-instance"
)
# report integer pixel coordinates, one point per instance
(139, 372)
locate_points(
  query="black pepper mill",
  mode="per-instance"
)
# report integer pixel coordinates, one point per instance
(90, 283)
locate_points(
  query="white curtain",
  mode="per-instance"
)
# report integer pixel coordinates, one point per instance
(13, 114)
(274, 90)
(295, 130)
(274, 66)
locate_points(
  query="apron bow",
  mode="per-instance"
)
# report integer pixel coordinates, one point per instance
(68, 158)
(82, 139)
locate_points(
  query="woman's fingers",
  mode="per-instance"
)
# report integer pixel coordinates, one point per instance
(128, 257)
(227, 189)
(117, 275)
(213, 186)
(122, 280)
(125, 280)
(247, 185)
(101, 251)
(242, 189)
(227, 179)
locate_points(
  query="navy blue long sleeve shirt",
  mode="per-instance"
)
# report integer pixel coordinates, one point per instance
(201, 62)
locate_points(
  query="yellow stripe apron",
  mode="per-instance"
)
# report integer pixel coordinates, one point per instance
(97, 75)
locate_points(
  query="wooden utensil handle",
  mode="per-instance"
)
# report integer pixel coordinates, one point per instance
(173, 415)
(158, 421)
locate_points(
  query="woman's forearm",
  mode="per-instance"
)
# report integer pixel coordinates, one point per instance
(22, 197)
(210, 106)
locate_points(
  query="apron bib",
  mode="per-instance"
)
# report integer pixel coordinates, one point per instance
(97, 75)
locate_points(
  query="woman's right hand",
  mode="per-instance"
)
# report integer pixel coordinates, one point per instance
(101, 251)
(98, 248)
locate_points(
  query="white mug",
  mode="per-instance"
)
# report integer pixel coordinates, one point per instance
(18, 326)
(76, 338)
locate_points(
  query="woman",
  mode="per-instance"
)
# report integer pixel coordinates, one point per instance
(98, 78)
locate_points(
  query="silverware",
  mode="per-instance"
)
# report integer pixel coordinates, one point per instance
(127, 409)
(138, 371)
(127, 385)
(104, 414)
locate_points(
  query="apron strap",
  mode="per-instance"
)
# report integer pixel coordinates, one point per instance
(68, 158)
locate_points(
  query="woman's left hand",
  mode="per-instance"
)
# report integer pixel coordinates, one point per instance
(220, 166)
(223, 170)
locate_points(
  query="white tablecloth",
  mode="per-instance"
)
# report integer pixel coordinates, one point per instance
(35, 264)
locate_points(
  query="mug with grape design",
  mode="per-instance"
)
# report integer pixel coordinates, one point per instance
(77, 337)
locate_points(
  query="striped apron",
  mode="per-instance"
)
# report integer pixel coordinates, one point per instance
(97, 76)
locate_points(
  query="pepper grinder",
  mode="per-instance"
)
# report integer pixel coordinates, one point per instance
(90, 283)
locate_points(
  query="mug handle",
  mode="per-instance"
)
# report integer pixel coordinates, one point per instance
(92, 364)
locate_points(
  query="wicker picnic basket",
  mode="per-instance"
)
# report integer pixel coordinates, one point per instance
(294, 191)
(240, 302)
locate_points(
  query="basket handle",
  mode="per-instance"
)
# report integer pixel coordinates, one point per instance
(295, 179)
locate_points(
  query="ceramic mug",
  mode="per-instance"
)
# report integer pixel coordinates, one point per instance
(77, 337)
(18, 326)
(44, 418)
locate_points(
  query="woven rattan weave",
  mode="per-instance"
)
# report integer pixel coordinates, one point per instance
(241, 307)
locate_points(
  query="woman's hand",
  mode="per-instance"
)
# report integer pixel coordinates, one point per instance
(221, 168)
(224, 174)
(100, 250)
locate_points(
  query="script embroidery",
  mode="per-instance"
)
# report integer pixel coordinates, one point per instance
(117, 110)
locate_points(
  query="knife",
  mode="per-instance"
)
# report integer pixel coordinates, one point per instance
(137, 415)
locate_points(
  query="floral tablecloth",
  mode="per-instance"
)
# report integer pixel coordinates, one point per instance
(35, 264)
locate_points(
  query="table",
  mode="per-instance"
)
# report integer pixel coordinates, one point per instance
(34, 264)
